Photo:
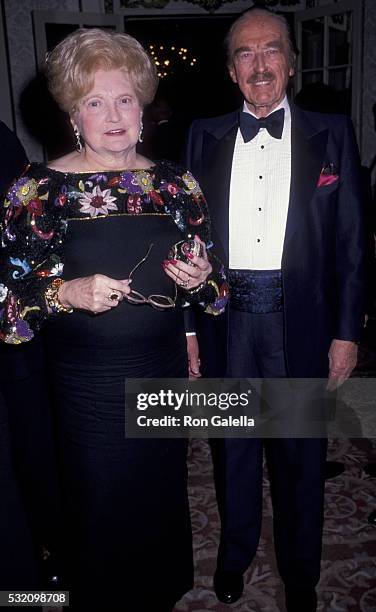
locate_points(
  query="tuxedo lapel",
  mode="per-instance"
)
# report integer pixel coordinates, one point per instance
(218, 150)
(308, 148)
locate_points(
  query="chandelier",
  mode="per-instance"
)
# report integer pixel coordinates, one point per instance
(169, 58)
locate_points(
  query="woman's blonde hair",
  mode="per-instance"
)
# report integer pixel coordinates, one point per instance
(71, 66)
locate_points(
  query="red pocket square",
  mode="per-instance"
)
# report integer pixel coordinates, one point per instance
(327, 179)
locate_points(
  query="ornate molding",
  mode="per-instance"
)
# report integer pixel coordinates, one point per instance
(209, 5)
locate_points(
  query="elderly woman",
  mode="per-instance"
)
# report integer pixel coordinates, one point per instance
(85, 242)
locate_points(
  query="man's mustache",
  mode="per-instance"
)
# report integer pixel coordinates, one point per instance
(261, 77)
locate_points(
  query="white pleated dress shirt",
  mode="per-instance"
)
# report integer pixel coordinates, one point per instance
(259, 198)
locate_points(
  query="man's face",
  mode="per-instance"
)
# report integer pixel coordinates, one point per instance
(260, 62)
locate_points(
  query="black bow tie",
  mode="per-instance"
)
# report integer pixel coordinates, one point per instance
(250, 125)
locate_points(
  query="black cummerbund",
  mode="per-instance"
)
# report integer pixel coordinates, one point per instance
(256, 291)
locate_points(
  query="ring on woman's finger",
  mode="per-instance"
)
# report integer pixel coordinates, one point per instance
(113, 296)
(184, 283)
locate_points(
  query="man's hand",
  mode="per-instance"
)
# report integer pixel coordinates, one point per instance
(193, 357)
(342, 360)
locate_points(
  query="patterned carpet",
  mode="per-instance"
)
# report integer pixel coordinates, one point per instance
(348, 569)
(348, 578)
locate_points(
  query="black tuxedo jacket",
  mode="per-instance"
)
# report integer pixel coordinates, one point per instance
(323, 264)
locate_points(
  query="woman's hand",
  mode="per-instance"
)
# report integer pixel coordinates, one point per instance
(189, 276)
(97, 293)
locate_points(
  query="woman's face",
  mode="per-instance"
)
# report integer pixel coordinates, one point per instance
(109, 116)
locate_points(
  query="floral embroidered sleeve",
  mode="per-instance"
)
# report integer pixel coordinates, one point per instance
(31, 231)
(187, 204)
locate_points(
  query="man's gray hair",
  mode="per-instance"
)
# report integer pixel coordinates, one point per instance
(246, 16)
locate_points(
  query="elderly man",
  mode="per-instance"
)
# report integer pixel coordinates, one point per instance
(283, 191)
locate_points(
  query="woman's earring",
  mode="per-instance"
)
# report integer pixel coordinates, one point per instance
(140, 134)
(77, 134)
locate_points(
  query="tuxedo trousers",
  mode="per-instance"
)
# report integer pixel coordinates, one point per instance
(295, 468)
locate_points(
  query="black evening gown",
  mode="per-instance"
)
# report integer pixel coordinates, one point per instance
(128, 536)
